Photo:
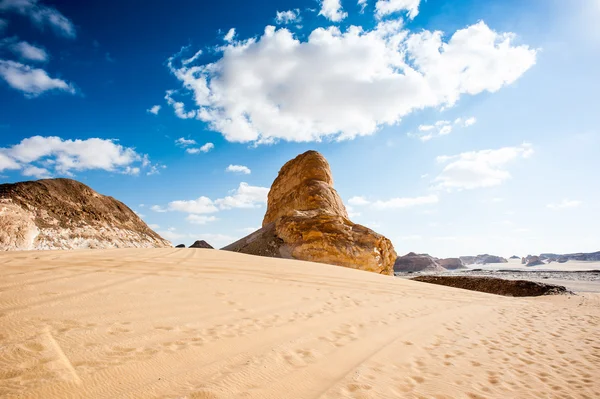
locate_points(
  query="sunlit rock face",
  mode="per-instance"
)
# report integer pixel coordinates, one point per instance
(66, 214)
(306, 219)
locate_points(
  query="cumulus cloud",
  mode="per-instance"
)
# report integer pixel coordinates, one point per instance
(183, 142)
(229, 35)
(564, 204)
(245, 196)
(332, 10)
(41, 15)
(171, 234)
(441, 128)
(205, 148)
(29, 51)
(386, 7)
(197, 206)
(31, 81)
(47, 156)
(341, 84)
(154, 109)
(362, 4)
(200, 219)
(474, 169)
(288, 17)
(394, 203)
(238, 169)
(358, 201)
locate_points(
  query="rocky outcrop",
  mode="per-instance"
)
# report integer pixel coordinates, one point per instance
(498, 286)
(482, 259)
(66, 214)
(514, 257)
(533, 261)
(451, 263)
(201, 244)
(180, 246)
(579, 256)
(306, 219)
(562, 259)
(412, 262)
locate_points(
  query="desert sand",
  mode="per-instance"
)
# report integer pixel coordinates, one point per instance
(195, 323)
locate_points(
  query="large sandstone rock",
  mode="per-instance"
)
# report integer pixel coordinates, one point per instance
(306, 219)
(412, 262)
(66, 214)
(451, 263)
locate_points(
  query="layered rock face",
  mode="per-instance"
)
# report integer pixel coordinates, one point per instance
(482, 259)
(412, 262)
(66, 214)
(306, 219)
(451, 263)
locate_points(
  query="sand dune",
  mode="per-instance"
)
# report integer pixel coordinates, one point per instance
(185, 323)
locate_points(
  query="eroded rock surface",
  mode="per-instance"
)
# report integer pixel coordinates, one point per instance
(66, 214)
(412, 262)
(306, 219)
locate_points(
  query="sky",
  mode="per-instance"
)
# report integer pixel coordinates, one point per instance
(453, 127)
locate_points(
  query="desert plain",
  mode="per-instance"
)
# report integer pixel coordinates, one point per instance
(195, 323)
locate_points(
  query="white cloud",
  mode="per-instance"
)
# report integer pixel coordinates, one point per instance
(205, 148)
(154, 226)
(396, 203)
(192, 58)
(229, 35)
(362, 4)
(171, 234)
(564, 204)
(40, 15)
(29, 51)
(358, 201)
(238, 169)
(476, 169)
(183, 142)
(154, 109)
(386, 7)
(245, 196)
(58, 156)
(197, 206)
(342, 84)
(441, 128)
(39, 173)
(351, 212)
(288, 17)
(31, 81)
(332, 10)
(157, 208)
(200, 219)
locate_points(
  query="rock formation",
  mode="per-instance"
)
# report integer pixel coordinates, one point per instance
(201, 244)
(514, 257)
(498, 286)
(412, 262)
(451, 263)
(66, 214)
(533, 261)
(180, 246)
(482, 259)
(306, 219)
(579, 256)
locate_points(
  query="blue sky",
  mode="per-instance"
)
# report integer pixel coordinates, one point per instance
(452, 127)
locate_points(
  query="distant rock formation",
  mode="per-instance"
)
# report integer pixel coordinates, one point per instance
(562, 259)
(482, 259)
(498, 286)
(306, 219)
(579, 256)
(66, 214)
(515, 257)
(534, 261)
(201, 244)
(412, 262)
(451, 263)
(180, 246)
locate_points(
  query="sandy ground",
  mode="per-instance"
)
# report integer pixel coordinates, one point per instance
(193, 323)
